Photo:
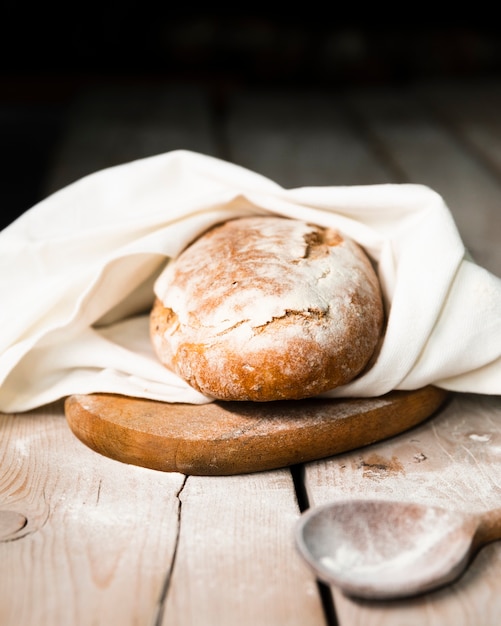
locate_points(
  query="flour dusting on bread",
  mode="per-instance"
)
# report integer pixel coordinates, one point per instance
(265, 308)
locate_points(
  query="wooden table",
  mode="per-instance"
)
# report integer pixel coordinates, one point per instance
(92, 541)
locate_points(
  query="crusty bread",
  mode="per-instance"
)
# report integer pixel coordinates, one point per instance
(267, 308)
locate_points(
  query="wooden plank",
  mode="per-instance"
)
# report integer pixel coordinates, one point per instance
(105, 129)
(418, 148)
(236, 563)
(300, 139)
(471, 111)
(111, 125)
(109, 529)
(292, 159)
(453, 462)
(99, 533)
(426, 151)
(450, 459)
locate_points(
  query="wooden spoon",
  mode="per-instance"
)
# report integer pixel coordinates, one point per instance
(380, 549)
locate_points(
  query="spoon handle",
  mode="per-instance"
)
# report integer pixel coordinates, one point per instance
(489, 528)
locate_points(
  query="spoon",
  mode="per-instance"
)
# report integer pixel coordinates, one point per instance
(381, 549)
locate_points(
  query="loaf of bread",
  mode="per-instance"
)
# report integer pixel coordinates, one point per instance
(267, 308)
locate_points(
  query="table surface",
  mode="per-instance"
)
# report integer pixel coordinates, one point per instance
(86, 540)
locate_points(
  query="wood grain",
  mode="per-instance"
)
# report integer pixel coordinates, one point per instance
(424, 150)
(454, 462)
(235, 562)
(224, 438)
(109, 542)
(106, 129)
(422, 133)
(300, 138)
(98, 536)
(11, 522)
(396, 132)
(111, 125)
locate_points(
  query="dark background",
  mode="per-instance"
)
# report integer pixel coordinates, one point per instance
(47, 55)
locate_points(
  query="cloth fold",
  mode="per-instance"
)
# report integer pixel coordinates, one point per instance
(77, 274)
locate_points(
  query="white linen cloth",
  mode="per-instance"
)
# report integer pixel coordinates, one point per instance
(77, 274)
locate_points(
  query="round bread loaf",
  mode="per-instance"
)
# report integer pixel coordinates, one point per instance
(267, 308)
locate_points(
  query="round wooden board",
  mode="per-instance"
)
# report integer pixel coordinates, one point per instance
(223, 438)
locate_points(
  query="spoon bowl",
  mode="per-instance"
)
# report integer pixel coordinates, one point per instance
(381, 549)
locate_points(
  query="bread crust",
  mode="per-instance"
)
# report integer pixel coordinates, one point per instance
(267, 308)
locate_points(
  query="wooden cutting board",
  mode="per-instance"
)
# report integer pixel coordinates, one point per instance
(223, 438)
